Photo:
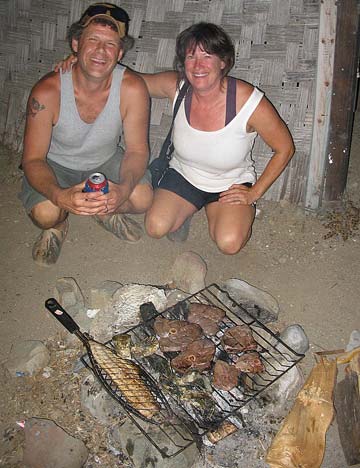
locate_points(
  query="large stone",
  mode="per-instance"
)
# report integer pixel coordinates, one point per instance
(101, 296)
(260, 304)
(68, 293)
(123, 311)
(143, 454)
(27, 358)
(284, 390)
(188, 273)
(96, 400)
(295, 337)
(48, 445)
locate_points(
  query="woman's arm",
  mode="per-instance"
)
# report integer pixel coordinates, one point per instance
(267, 123)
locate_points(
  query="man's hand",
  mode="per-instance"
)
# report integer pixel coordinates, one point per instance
(117, 196)
(74, 200)
(238, 194)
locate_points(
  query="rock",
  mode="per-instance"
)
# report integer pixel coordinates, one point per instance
(284, 390)
(68, 294)
(101, 296)
(295, 337)
(188, 273)
(174, 296)
(123, 311)
(142, 452)
(48, 445)
(96, 400)
(27, 358)
(257, 302)
(354, 341)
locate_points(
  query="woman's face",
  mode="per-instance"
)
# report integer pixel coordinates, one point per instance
(203, 70)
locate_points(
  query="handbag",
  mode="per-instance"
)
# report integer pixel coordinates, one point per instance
(159, 165)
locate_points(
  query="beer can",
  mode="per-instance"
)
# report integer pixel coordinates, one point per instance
(97, 182)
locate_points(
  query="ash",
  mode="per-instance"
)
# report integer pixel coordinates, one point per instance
(250, 443)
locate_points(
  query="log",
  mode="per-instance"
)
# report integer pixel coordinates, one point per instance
(347, 405)
(301, 438)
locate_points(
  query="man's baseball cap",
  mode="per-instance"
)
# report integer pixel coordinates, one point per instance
(109, 11)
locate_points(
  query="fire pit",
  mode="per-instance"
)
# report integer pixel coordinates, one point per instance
(195, 406)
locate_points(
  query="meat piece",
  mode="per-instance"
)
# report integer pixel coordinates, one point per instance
(208, 317)
(238, 339)
(225, 376)
(250, 363)
(198, 355)
(175, 335)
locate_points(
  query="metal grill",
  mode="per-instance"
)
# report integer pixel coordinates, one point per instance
(188, 421)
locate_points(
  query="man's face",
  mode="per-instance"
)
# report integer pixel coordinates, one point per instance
(98, 50)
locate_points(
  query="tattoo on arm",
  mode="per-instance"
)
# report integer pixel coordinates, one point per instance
(34, 107)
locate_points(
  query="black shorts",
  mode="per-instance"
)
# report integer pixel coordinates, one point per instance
(176, 183)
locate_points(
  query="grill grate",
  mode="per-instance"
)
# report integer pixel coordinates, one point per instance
(193, 414)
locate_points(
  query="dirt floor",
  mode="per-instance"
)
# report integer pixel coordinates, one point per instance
(315, 280)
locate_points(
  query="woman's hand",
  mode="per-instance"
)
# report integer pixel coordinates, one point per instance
(238, 194)
(66, 64)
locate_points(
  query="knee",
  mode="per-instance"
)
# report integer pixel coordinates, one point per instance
(231, 244)
(141, 198)
(46, 215)
(155, 226)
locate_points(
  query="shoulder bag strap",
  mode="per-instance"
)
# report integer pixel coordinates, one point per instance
(168, 147)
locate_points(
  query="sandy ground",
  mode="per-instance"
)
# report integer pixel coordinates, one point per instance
(315, 280)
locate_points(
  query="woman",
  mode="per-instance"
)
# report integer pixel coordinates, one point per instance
(214, 132)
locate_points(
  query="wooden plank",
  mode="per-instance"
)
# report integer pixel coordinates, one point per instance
(343, 100)
(347, 404)
(300, 441)
(327, 30)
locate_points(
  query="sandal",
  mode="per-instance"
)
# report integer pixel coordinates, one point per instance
(122, 226)
(47, 247)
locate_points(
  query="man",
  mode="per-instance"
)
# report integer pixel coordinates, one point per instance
(74, 124)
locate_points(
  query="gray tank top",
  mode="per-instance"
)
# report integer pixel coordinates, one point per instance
(78, 145)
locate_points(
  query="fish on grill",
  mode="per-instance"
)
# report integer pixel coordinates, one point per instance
(225, 376)
(126, 376)
(197, 356)
(176, 335)
(237, 339)
(207, 316)
(250, 363)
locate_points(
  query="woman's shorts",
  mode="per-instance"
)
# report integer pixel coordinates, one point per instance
(176, 183)
(69, 177)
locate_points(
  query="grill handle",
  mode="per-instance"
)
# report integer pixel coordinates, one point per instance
(61, 315)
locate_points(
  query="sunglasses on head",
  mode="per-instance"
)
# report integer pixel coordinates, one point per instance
(107, 9)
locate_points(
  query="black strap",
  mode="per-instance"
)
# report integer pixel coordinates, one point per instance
(168, 147)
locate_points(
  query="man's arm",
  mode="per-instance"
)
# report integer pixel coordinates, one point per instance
(161, 85)
(42, 113)
(134, 111)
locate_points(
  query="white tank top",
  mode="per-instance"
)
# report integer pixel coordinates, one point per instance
(213, 161)
(81, 146)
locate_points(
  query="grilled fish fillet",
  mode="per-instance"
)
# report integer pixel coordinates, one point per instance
(126, 376)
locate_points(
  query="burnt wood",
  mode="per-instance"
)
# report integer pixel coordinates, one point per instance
(343, 100)
(347, 404)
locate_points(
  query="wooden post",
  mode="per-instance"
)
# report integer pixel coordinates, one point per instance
(321, 123)
(343, 100)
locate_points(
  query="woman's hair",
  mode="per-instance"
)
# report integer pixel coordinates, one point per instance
(210, 38)
(76, 30)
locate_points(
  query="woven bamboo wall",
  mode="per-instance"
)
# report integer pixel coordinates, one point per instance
(276, 49)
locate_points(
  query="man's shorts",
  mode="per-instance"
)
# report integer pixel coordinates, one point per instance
(176, 183)
(69, 177)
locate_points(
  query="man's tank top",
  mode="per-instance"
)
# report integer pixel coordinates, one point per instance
(213, 161)
(81, 146)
